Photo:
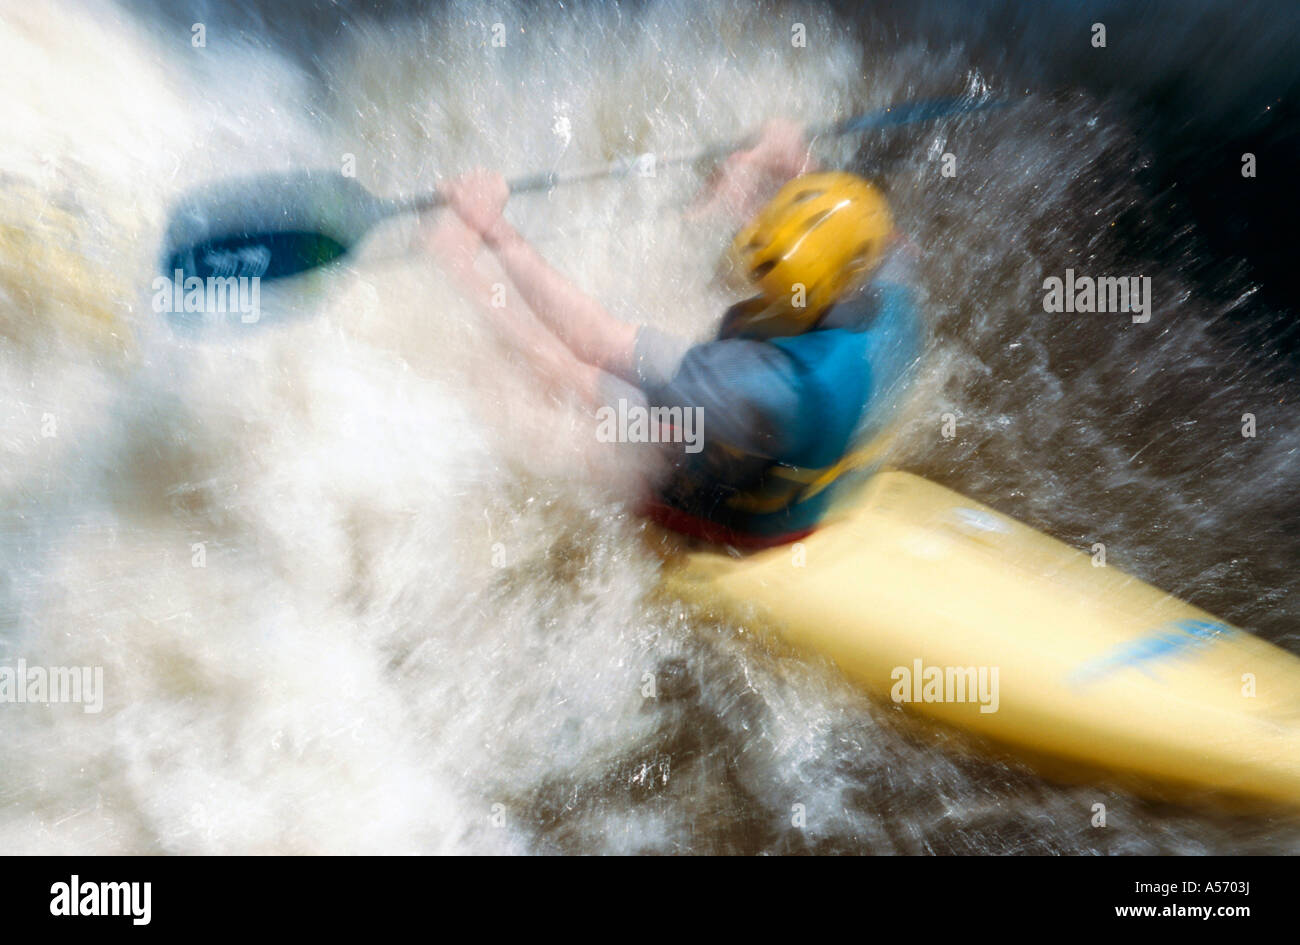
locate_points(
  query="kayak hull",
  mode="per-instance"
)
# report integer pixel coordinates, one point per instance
(958, 612)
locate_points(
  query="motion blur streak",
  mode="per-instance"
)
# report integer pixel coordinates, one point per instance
(424, 614)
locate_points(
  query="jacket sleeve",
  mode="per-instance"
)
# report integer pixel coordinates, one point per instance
(749, 392)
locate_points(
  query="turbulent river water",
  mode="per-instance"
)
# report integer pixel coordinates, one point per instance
(357, 587)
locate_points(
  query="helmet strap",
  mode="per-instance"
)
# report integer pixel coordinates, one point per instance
(760, 318)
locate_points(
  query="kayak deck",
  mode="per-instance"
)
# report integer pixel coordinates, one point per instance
(974, 619)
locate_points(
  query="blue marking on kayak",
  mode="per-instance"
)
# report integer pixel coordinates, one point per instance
(980, 520)
(1173, 640)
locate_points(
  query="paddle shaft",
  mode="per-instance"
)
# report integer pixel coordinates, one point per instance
(279, 225)
(645, 164)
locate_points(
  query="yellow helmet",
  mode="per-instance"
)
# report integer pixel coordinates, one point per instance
(823, 233)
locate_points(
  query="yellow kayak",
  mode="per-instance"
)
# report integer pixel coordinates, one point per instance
(951, 609)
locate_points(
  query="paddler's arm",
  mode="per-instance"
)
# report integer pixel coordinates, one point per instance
(748, 177)
(455, 246)
(580, 321)
(593, 335)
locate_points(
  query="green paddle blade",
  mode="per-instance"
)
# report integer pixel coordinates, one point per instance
(269, 227)
(267, 255)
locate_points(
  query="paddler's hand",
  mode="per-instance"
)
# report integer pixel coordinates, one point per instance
(781, 149)
(779, 154)
(478, 198)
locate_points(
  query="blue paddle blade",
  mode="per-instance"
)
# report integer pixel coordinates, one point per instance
(911, 113)
(268, 227)
(273, 255)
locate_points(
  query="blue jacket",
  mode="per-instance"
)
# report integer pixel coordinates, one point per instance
(781, 414)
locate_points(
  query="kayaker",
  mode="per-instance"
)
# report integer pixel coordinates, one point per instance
(797, 374)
